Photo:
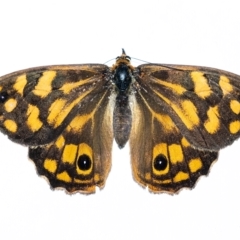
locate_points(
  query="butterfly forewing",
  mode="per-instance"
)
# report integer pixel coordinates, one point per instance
(37, 104)
(203, 103)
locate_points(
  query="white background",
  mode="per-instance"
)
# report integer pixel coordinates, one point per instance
(34, 33)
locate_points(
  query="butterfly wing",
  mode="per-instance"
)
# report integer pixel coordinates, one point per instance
(182, 116)
(203, 102)
(63, 114)
(161, 156)
(79, 159)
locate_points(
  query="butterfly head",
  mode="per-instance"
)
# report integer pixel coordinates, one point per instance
(123, 59)
(122, 72)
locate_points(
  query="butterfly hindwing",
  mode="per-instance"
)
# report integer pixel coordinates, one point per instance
(80, 158)
(162, 158)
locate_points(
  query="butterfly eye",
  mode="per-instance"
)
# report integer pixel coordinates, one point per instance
(160, 162)
(84, 162)
(128, 58)
(3, 97)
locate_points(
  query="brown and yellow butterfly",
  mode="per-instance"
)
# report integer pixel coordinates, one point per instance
(176, 117)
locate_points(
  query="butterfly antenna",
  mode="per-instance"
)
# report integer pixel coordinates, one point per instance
(123, 53)
(113, 59)
(140, 60)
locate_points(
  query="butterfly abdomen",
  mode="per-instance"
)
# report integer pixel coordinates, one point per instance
(122, 120)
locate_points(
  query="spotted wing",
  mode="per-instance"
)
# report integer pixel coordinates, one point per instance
(183, 115)
(204, 103)
(64, 114)
(79, 159)
(37, 104)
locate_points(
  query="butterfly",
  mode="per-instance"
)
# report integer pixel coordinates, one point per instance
(176, 119)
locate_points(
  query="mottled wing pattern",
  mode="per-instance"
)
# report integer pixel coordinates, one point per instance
(37, 104)
(62, 113)
(182, 116)
(176, 117)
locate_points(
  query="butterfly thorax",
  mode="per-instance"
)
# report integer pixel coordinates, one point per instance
(122, 78)
(122, 115)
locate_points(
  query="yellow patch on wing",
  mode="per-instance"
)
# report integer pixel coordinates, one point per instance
(20, 83)
(212, 124)
(165, 120)
(43, 88)
(60, 142)
(185, 142)
(190, 112)
(85, 181)
(68, 87)
(181, 176)
(235, 106)
(201, 87)
(33, 121)
(50, 165)
(54, 110)
(148, 176)
(174, 87)
(85, 149)
(175, 152)
(166, 181)
(187, 112)
(225, 85)
(64, 176)
(234, 127)
(10, 104)
(97, 178)
(195, 164)
(78, 122)
(69, 153)
(59, 109)
(10, 125)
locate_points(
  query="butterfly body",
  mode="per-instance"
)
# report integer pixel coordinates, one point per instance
(176, 119)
